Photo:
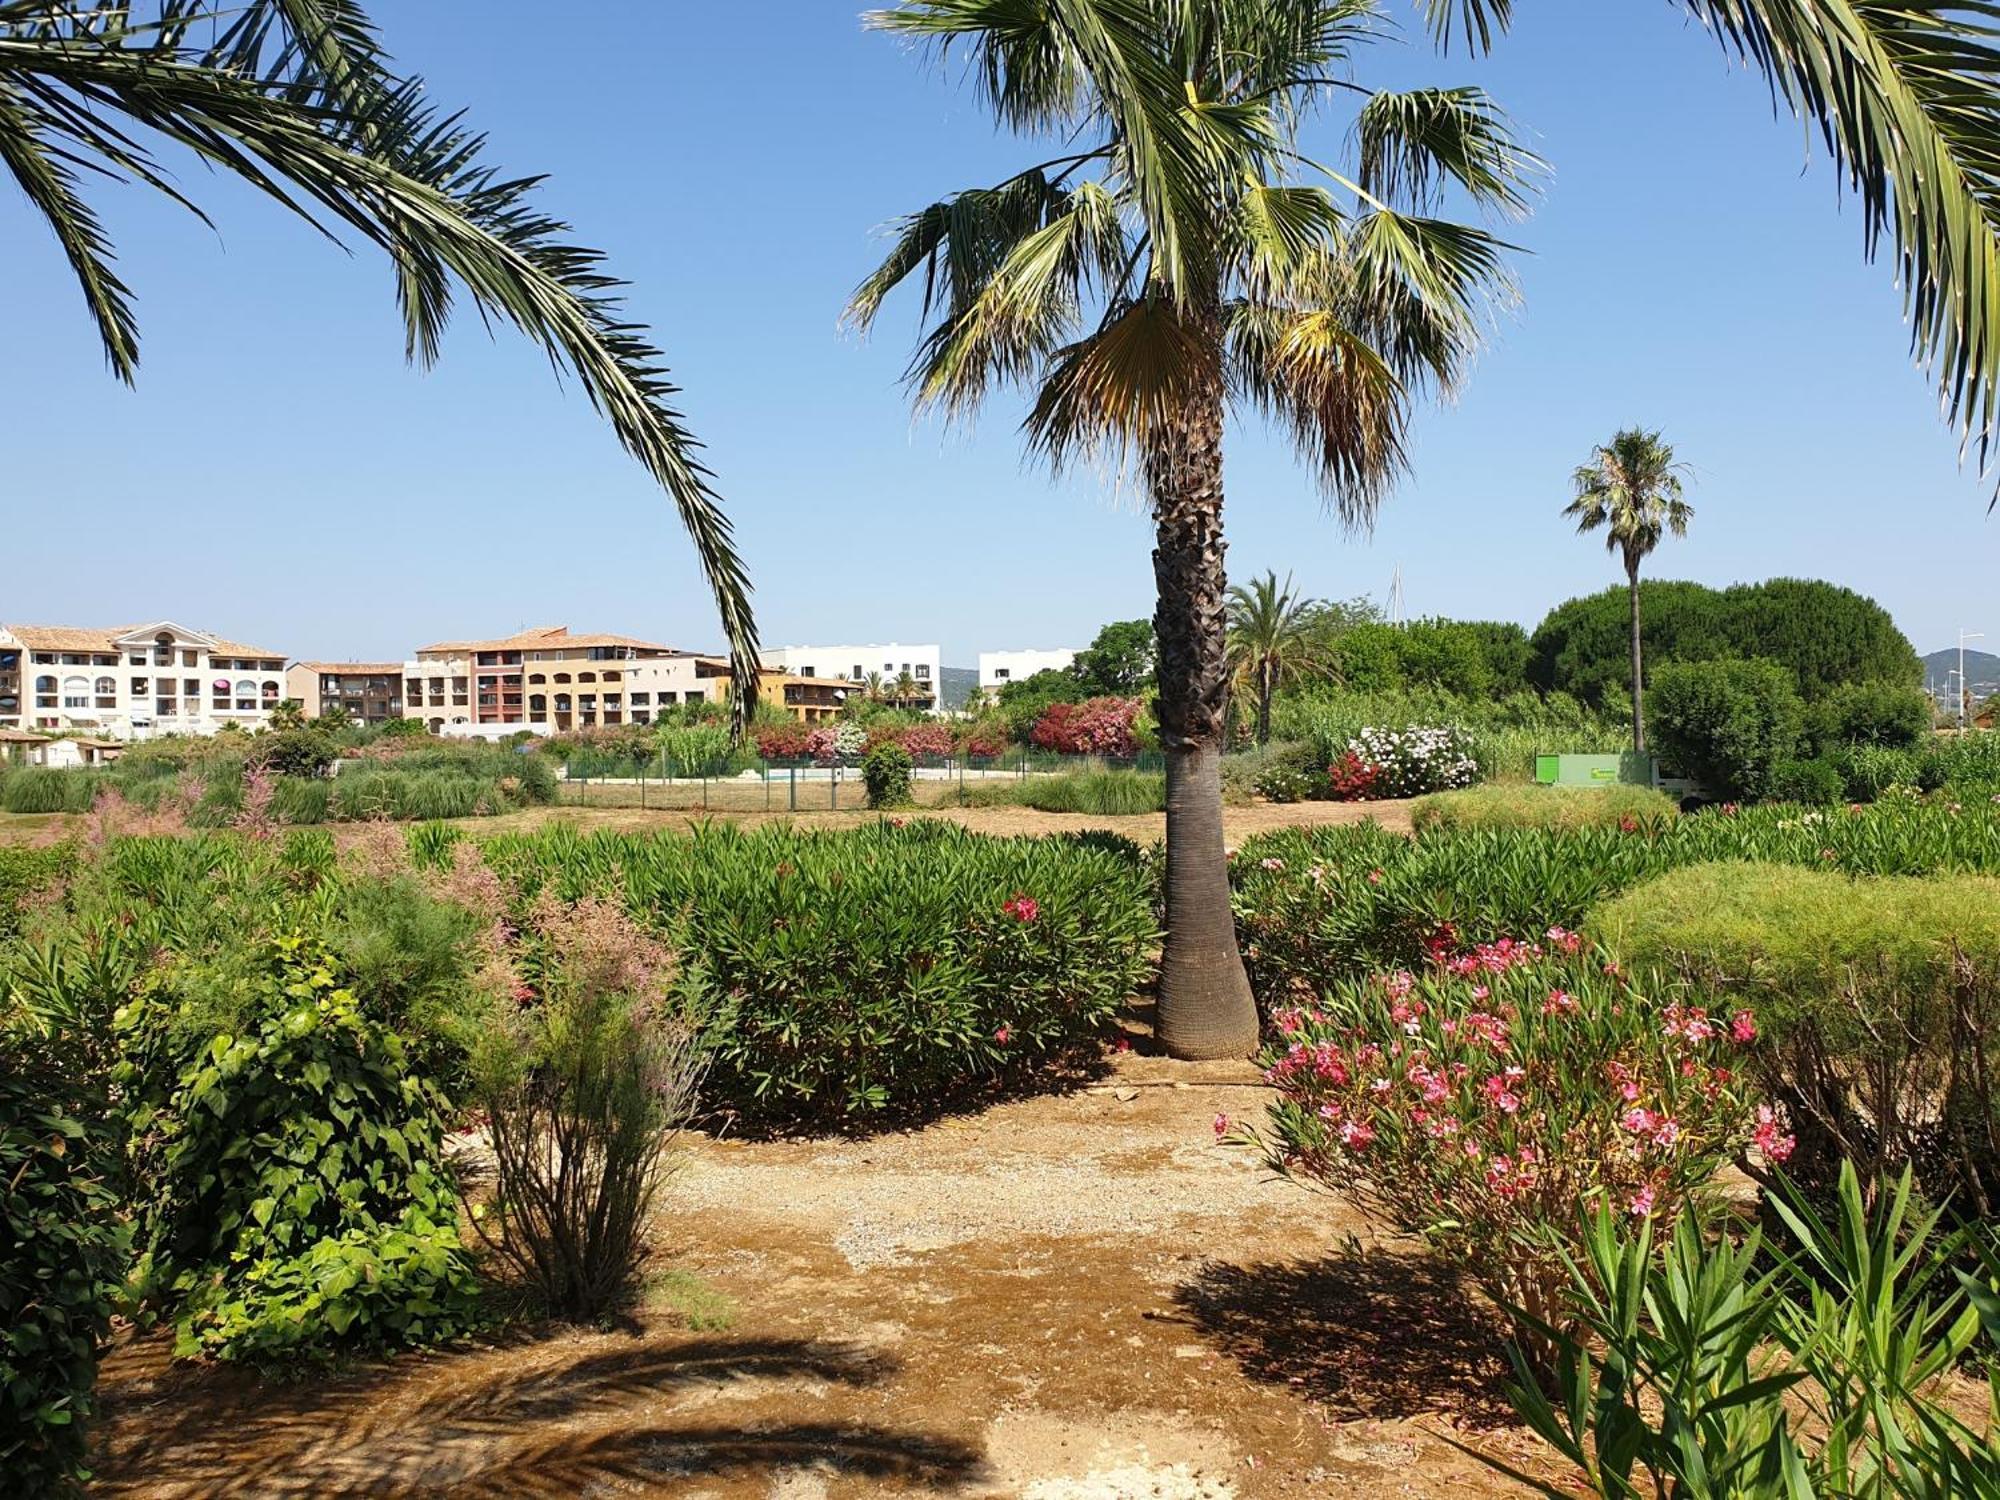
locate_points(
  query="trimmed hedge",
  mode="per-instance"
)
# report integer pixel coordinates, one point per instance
(1874, 994)
(847, 974)
(1543, 807)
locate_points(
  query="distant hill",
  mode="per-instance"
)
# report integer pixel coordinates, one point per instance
(1983, 667)
(959, 683)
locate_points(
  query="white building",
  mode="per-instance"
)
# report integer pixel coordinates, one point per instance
(885, 663)
(134, 682)
(998, 668)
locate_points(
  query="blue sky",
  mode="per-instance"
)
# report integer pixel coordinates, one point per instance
(281, 477)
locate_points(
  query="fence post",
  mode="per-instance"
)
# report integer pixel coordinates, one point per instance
(833, 787)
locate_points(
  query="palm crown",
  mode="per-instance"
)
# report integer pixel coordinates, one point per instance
(1631, 489)
(297, 98)
(1187, 242)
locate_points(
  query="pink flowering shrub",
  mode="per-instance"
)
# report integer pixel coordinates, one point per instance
(936, 740)
(1486, 1100)
(1097, 726)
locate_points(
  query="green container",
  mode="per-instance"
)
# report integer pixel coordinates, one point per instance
(1596, 770)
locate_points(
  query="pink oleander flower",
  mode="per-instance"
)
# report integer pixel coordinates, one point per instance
(1221, 1126)
(1021, 908)
(1771, 1145)
(1357, 1135)
(1374, 877)
(1743, 1028)
(1272, 864)
(1003, 1035)
(1559, 1003)
(1641, 1204)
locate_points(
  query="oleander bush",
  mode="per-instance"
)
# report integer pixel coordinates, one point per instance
(1480, 1099)
(1815, 783)
(1630, 808)
(1319, 905)
(1878, 995)
(844, 976)
(1726, 723)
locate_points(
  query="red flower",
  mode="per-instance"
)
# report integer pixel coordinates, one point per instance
(1021, 908)
(1001, 1036)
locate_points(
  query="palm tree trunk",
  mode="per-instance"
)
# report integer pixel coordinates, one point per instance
(1263, 703)
(1206, 1009)
(1638, 671)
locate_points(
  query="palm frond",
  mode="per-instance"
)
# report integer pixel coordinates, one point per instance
(49, 182)
(1122, 387)
(1327, 388)
(376, 161)
(1414, 143)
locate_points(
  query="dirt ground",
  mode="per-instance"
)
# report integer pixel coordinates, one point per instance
(1066, 1297)
(1238, 823)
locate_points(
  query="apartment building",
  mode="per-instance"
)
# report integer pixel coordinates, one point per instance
(369, 692)
(135, 681)
(549, 679)
(880, 666)
(998, 668)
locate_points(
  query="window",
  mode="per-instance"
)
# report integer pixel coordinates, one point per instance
(136, 659)
(107, 687)
(536, 679)
(586, 677)
(805, 671)
(562, 677)
(76, 692)
(1000, 674)
(141, 686)
(246, 693)
(857, 674)
(45, 684)
(923, 671)
(642, 700)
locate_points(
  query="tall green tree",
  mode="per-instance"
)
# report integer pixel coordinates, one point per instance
(1180, 255)
(298, 99)
(1631, 491)
(1275, 638)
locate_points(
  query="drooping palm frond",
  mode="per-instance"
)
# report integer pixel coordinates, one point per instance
(294, 97)
(1905, 95)
(1416, 142)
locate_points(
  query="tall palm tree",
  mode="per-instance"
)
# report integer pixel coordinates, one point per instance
(1631, 488)
(1906, 98)
(297, 98)
(1274, 639)
(906, 688)
(1180, 255)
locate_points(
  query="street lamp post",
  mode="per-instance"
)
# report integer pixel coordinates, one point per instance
(1963, 637)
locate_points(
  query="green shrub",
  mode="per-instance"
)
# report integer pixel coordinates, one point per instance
(844, 974)
(1872, 994)
(47, 789)
(1725, 724)
(23, 872)
(1543, 807)
(304, 752)
(295, 801)
(1871, 713)
(585, 1091)
(1867, 771)
(1243, 770)
(295, 1199)
(1286, 784)
(1110, 794)
(62, 1257)
(1813, 782)
(885, 772)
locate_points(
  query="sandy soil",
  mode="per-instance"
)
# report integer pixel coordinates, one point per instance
(1074, 1297)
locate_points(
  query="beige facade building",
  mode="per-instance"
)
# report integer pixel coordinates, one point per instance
(548, 680)
(135, 681)
(370, 692)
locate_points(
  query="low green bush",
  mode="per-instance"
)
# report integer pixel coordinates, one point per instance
(1725, 724)
(294, 1194)
(47, 789)
(1627, 807)
(885, 772)
(1109, 793)
(62, 1259)
(1867, 771)
(1812, 782)
(1316, 905)
(1870, 713)
(845, 974)
(1874, 996)
(23, 872)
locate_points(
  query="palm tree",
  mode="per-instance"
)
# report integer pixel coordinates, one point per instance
(297, 98)
(873, 688)
(1632, 489)
(1906, 98)
(906, 688)
(1178, 256)
(1274, 639)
